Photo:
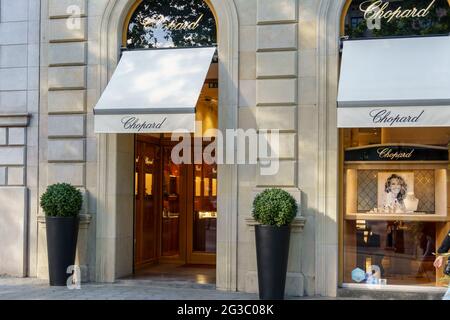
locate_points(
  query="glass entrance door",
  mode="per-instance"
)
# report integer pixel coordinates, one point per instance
(173, 213)
(202, 219)
(175, 207)
(147, 204)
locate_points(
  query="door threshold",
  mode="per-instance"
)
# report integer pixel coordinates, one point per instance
(165, 283)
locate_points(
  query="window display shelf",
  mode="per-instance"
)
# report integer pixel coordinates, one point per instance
(376, 187)
(397, 217)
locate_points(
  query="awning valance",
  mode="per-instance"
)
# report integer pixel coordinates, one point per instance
(402, 82)
(154, 91)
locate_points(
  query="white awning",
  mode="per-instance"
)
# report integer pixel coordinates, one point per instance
(403, 82)
(154, 91)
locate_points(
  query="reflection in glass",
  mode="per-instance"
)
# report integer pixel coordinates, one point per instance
(136, 183)
(172, 23)
(435, 18)
(205, 208)
(403, 251)
(148, 184)
(399, 244)
(171, 206)
(145, 204)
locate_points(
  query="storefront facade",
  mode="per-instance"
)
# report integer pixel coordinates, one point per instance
(278, 68)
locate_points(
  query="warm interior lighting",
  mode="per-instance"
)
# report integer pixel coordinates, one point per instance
(149, 161)
(148, 184)
(368, 264)
(206, 187)
(214, 187)
(201, 279)
(136, 183)
(198, 186)
(207, 215)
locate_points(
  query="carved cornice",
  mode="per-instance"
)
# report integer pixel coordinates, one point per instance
(297, 225)
(85, 220)
(14, 120)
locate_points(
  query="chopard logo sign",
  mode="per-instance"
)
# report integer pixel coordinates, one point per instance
(135, 124)
(382, 10)
(383, 116)
(166, 24)
(388, 153)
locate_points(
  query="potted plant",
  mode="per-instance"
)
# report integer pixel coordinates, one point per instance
(61, 203)
(273, 210)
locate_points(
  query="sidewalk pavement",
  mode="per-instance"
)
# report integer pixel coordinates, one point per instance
(36, 289)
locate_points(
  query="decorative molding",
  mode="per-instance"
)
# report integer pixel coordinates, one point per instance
(110, 40)
(297, 225)
(15, 120)
(85, 220)
(326, 270)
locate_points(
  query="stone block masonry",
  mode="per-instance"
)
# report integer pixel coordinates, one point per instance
(64, 111)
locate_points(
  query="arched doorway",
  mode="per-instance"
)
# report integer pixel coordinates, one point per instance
(175, 203)
(116, 156)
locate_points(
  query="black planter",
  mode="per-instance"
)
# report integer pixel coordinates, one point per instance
(62, 234)
(272, 251)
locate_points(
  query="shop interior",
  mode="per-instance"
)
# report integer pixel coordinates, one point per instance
(395, 209)
(176, 204)
(393, 181)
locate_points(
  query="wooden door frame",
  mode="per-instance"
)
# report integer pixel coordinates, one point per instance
(157, 203)
(192, 256)
(186, 231)
(182, 257)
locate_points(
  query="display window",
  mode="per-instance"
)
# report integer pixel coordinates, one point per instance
(172, 46)
(396, 204)
(394, 141)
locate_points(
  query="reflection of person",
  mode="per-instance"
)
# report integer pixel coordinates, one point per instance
(396, 189)
(445, 247)
(427, 244)
(377, 241)
(439, 262)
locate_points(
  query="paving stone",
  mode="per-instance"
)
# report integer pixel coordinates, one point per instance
(36, 289)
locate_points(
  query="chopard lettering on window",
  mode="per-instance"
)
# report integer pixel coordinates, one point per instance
(382, 10)
(166, 24)
(388, 153)
(385, 116)
(135, 124)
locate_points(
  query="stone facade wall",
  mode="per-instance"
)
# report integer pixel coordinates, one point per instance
(66, 149)
(268, 86)
(283, 59)
(19, 107)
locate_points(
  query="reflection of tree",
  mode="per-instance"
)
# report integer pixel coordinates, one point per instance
(178, 11)
(437, 21)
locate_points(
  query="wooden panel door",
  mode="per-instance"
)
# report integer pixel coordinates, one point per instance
(175, 207)
(173, 211)
(147, 203)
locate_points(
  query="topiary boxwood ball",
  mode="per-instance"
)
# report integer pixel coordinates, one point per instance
(62, 200)
(274, 207)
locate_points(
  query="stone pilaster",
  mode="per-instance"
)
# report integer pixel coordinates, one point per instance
(63, 107)
(268, 101)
